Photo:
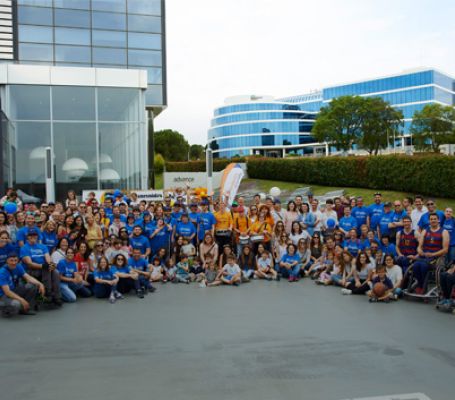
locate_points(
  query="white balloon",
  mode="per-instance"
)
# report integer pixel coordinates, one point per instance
(275, 191)
(262, 196)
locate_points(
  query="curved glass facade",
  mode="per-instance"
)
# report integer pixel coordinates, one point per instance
(255, 126)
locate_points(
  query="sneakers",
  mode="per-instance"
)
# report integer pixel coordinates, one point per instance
(414, 285)
(269, 278)
(112, 298)
(291, 279)
(152, 289)
(236, 284)
(202, 284)
(144, 290)
(373, 300)
(57, 301)
(140, 294)
(346, 291)
(118, 295)
(278, 277)
(420, 291)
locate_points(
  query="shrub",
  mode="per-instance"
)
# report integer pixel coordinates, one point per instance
(425, 174)
(158, 163)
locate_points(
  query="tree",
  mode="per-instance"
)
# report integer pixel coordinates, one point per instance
(196, 152)
(171, 145)
(380, 121)
(433, 126)
(340, 123)
(159, 163)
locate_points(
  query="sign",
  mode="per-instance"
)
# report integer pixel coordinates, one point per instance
(147, 195)
(192, 179)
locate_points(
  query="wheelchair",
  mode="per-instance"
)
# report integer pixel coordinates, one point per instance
(431, 284)
(450, 306)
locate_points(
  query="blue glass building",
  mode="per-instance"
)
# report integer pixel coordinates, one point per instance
(86, 78)
(248, 125)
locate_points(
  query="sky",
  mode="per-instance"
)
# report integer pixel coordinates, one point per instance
(222, 48)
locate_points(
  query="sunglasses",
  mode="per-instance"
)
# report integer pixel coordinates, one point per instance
(99, 245)
(430, 204)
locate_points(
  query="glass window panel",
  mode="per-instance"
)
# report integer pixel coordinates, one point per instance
(144, 57)
(29, 102)
(32, 137)
(76, 141)
(42, 3)
(34, 15)
(152, 7)
(108, 66)
(122, 143)
(73, 103)
(73, 64)
(118, 104)
(144, 41)
(109, 38)
(109, 5)
(40, 34)
(154, 75)
(104, 20)
(144, 23)
(109, 56)
(37, 52)
(72, 36)
(74, 18)
(154, 95)
(78, 4)
(73, 54)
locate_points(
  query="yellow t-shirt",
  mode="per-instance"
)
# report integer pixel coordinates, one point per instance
(223, 220)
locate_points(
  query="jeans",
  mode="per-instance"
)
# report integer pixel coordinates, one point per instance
(403, 262)
(50, 280)
(70, 290)
(125, 285)
(420, 270)
(336, 279)
(12, 306)
(144, 282)
(451, 255)
(359, 290)
(292, 272)
(103, 290)
(248, 273)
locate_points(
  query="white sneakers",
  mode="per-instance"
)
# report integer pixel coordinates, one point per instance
(346, 291)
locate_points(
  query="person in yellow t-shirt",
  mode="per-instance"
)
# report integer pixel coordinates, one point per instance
(241, 227)
(261, 227)
(223, 226)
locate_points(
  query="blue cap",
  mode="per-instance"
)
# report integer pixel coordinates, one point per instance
(11, 255)
(166, 208)
(32, 232)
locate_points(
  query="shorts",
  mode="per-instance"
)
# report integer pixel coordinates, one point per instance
(229, 277)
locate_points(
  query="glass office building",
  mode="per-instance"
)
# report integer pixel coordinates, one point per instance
(248, 125)
(85, 77)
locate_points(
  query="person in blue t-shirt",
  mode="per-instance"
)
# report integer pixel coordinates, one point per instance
(449, 226)
(30, 224)
(398, 214)
(149, 225)
(352, 243)
(193, 215)
(348, 222)
(361, 213)
(141, 267)
(139, 241)
(160, 237)
(72, 283)
(49, 236)
(206, 221)
(5, 247)
(376, 210)
(36, 259)
(424, 222)
(128, 279)
(290, 264)
(106, 281)
(130, 224)
(385, 222)
(15, 297)
(177, 212)
(185, 228)
(387, 247)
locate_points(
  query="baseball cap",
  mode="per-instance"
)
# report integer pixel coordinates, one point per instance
(387, 204)
(32, 232)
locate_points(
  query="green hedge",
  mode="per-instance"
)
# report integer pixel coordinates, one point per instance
(425, 174)
(199, 166)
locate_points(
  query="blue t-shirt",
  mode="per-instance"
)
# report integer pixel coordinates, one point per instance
(10, 277)
(353, 246)
(206, 221)
(67, 268)
(449, 225)
(424, 222)
(22, 233)
(140, 242)
(4, 251)
(111, 217)
(348, 223)
(161, 239)
(398, 217)
(389, 249)
(288, 258)
(360, 214)
(140, 264)
(149, 228)
(37, 252)
(50, 240)
(123, 270)
(376, 210)
(384, 221)
(107, 275)
(185, 229)
(194, 217)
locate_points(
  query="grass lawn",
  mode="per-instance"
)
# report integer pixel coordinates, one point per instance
(158, 181)
(367, 194)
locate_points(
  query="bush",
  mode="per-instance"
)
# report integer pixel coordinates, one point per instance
(158, 163)
(426, 174)
(199, 166)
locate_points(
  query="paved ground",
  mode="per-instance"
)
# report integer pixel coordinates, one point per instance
(264, 340)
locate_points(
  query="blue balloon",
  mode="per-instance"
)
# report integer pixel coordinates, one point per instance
(117, 193)
(331, 223)
(10, 208)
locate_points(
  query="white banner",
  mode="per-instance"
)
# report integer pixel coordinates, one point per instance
(147, 195)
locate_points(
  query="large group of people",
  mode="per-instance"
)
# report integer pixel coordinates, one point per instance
(52, 253)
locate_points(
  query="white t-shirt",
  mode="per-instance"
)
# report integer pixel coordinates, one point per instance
(295, 238)
(416, 215)
(319, 217)
(395, 274)
(329, 215)
(231, 269)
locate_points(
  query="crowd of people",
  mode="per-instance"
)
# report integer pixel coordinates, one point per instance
(53, 253)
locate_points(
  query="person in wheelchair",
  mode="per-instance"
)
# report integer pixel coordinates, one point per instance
(407, 242)
(447, 284)
(433, 246)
